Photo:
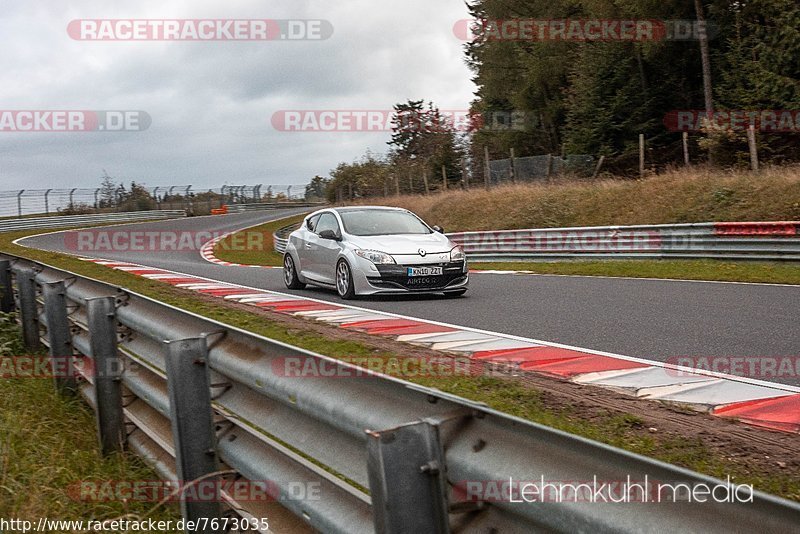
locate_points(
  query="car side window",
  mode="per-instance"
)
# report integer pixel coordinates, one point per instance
(311, 223)
(327, 221)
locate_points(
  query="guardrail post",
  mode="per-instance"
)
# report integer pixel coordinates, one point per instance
(407, 480)
(26, 288)
(7, 296)
(58, 336)
(102, 318)
(192, 425)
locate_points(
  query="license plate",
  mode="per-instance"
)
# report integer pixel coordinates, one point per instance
(424, 271)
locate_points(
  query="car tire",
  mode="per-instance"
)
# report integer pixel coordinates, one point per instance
(344, 281)
(454, 294)
(290, 273)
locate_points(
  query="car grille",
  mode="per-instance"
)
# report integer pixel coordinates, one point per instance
(396, 277)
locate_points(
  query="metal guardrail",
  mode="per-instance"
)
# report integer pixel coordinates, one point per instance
(214, 396)
(64, 221)
(771, 241)
(766, 241)
(281, 237)
(239, 208)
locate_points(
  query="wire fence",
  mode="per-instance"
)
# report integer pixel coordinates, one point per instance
(198, 201)
(539, 168)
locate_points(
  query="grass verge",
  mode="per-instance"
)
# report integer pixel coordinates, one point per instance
(48, 445)
(622, 430)
(238, 248)
(714, 270)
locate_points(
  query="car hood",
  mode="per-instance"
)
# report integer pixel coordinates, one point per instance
(404, 243)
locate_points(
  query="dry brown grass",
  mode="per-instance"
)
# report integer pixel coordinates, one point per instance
(679, 196)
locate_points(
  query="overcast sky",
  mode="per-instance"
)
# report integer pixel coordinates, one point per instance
(211, 102)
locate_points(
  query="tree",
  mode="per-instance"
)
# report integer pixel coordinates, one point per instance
(108, 192)
(316, 190)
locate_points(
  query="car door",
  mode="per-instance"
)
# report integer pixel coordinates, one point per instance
(326, 251)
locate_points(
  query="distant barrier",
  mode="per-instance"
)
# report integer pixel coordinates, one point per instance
(67, 221)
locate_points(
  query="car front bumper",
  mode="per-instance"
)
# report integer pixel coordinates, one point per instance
(394, 279)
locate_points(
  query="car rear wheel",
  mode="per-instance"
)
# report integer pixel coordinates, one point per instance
(290, 273)
(344, 281)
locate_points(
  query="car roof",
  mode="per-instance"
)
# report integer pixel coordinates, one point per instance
(365, 208)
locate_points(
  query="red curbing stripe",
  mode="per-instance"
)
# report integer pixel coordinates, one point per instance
(403, 330)
(782, 413)
(176, 281)
(582, 364)
(275, 303)
(528, 355)
(304, 306)
(380, 322)
(221, 292)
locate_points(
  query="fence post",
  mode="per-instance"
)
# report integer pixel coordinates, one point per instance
(686, 148)
(397, 184)
(464, 174)
(58, 336)
(599, 166)
(425, 179)
(26, 287)
(407, 479)
(192, 425)
(752, 144)
(7, 297)
(641, 154)
(487, 172)
(46, 202)
(19, 202)
(444, 178)
(513, 166)
(102, 319)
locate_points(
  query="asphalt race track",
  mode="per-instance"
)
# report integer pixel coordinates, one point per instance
(644, 318)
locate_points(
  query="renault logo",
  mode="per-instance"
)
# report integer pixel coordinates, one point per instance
(422, 252)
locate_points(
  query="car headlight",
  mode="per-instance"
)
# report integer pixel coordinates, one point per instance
(375, 256)
(457, 254)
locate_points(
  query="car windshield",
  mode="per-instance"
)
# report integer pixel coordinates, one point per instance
(382, 222)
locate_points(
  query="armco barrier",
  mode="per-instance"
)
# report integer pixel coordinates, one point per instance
(281, 237)
(432, 462)
(65, 221)
(239, 208)
(725, 241)
(766, 241)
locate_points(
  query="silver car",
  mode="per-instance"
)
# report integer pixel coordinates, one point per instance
(369, 250)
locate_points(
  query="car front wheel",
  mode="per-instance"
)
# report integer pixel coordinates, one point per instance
(290, 273)
(344, 280)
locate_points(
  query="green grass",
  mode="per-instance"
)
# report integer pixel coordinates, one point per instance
(761, 272)
(254, 246)
(48, 444)
(618, 429)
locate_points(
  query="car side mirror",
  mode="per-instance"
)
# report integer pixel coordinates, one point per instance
(329, 234)
(437, 228)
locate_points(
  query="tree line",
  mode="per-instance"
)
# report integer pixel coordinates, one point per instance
(597, 96)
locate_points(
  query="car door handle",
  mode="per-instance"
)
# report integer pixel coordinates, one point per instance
(308, 245)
